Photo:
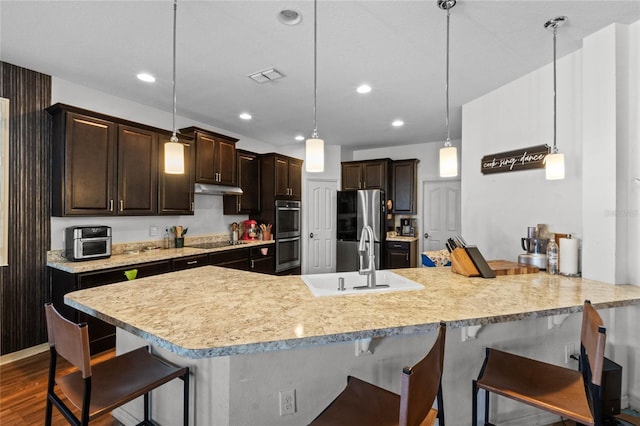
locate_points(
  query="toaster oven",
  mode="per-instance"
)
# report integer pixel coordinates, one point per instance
(87, 242)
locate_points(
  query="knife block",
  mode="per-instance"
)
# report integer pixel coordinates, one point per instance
(462, 264)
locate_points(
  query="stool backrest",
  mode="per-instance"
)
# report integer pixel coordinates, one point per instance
(593, 338)
(421, 383)
(70, 340)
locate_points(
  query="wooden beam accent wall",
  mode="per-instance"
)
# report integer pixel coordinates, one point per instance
(24, 284)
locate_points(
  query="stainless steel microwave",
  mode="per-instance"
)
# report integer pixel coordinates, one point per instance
(87, 242)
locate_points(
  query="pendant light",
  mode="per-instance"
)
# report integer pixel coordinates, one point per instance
(554, 161)
(449, 153)
(174, 150)
(314, 157)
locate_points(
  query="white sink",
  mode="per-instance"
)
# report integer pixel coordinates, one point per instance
(327, 284)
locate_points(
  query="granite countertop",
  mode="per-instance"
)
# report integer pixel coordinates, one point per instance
(402, 238)
(212, 311)
(135, 254)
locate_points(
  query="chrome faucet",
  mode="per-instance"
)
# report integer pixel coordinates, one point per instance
(370, 270)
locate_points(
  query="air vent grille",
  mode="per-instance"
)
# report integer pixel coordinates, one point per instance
(266, 75)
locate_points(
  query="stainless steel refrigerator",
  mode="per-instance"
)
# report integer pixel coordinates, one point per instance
(355, 209)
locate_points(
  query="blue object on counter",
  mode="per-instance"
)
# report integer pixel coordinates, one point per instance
(426, 261)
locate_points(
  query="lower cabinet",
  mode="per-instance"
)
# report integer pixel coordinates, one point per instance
(263, 259)
(255, 259)
(401, 254)
(190, 262)
(234, 259)
(102, 336)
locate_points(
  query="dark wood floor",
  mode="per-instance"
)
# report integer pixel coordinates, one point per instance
(23, 391)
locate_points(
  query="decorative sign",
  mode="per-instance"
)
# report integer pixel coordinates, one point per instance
(511, 161)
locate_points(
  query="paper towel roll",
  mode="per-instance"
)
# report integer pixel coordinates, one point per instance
(568, 256)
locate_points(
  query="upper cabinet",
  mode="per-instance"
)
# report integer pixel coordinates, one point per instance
(247, 164)
(215, 157)
(281, 177)
(369, 174)
(175, 192)
(403, 186)
(102, 167)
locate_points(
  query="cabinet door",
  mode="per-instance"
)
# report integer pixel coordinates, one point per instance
(225, 162)
(205, 157)
(263, 259)
(249, 182)
(374, 175)
(90, 180)
(403, 186)
(351, 176)
(234, 259)
(295, 179)
(282, 177)
(175, 192)
(397, 259)
(137, 171)
(190, 262)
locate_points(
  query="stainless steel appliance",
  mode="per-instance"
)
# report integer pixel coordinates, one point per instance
(87, 242)
(408, 227)
(355, 210)
(287, 234)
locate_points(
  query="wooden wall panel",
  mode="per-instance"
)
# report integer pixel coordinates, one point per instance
(24, 284)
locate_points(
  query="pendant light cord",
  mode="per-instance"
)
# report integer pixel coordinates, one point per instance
(314, 135)
(448, 141)
(174, 138)
(555, 30)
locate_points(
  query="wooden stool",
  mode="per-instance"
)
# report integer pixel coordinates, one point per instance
(362, 403)
(568, 393)
(96, 390)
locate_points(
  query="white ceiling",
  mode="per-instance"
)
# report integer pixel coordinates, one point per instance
(398, 47)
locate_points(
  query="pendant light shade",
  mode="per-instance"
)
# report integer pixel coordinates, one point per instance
(554, 161)
(174, 150)
(314, 148)
(448, 154)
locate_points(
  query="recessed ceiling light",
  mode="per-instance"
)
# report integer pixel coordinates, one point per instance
(148, 78)
(397, 123)
(299, 138)
(363, 88)
(245, 116)
(289, 17)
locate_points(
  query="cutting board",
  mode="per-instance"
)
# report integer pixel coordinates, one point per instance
(505, 267)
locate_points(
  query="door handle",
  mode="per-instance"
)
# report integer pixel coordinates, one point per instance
(311, 235)
(426, 235)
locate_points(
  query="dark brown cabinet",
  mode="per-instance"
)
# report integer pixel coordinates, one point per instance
(262, 259)
(190, 262)
(248, 170)
(101, 335)
(404, 186)
(137, 171)
(105, 166)
(175, 192)
(84, 164)
(370, 174)
(280, 179)
(234, 259)
(215, 157)
(401, 254)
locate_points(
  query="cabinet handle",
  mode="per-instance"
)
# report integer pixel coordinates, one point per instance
(406, 256)
(192, 206)
(192, 262)
(239, 206)
(121, 205)
(110, 205)
(253, 265)
(359, 185)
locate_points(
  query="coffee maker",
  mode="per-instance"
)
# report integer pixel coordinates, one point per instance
(408, 227)
(535, 247)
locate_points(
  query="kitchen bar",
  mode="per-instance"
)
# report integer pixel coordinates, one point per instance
(214, 318)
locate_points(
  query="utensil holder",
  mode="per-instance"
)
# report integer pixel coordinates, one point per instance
(462, 264)
(179, 242)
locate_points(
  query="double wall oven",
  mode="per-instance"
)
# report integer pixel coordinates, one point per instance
(287, 234)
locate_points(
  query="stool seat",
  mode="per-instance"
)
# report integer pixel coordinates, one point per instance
(118, 380)
(552, 388)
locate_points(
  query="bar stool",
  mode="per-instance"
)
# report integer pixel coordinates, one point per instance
(568, 393)
(98, 389)
(362, 403)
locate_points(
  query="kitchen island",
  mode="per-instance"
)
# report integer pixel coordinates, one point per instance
(250, 336)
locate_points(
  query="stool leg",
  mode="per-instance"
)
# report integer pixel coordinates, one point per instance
(185, 396)
(474, 407)
(146, 408)
(486, 407)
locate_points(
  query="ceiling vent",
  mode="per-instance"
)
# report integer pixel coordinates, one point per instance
(266, 75)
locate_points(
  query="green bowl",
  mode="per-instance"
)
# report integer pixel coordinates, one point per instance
(131, 274)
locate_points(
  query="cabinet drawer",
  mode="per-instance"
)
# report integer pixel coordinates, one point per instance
(190, 262)
(95, 279)
(398, 245)
(235, 259)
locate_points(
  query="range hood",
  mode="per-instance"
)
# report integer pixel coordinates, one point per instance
(205, 188)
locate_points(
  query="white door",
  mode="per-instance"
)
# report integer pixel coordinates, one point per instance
(441, 207)
(321, 213)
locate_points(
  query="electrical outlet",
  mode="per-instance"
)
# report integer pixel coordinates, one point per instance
(569, 349)
(153, 231)
(287, 402)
